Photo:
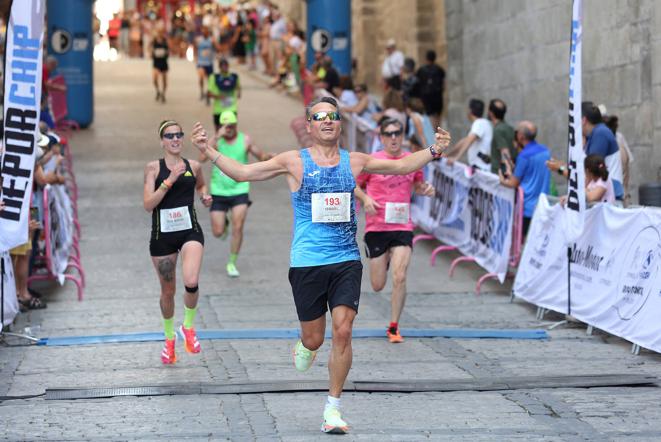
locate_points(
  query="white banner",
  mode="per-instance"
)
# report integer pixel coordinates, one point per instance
(58, 222)
(575, 155)
(615, 269)
(22, 90)
(9, 301)
(473, 213)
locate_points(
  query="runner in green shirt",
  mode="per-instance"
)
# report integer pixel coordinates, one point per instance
(230, 198)
(225, 90)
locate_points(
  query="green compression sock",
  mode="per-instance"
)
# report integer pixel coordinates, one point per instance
(189, 316)
(168, 327)
(233, 257)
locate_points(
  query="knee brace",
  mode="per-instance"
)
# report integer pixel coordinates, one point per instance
(191, 289)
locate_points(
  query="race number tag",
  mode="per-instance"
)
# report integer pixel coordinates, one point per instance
(331, 207)
(175, 220)
(397, 213)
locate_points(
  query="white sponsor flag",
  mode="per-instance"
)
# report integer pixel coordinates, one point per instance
(22, 88)
(576, 185)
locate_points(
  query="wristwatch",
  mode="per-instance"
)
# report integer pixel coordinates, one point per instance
(433, 151)
(561, 170)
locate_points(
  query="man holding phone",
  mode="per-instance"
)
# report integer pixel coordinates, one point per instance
(530, 172)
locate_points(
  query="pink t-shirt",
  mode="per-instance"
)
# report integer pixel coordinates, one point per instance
(609, 196)
(394, 189)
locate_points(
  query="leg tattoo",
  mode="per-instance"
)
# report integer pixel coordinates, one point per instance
(166, 269)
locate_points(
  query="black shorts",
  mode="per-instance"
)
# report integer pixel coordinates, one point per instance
(207, 69)
(161, 65)
(378, 243)
(317, 289)
(169, 243)
(225, 203)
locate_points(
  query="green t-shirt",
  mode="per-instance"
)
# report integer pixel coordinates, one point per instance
(221, 184)
(229, 98)
(503, 136)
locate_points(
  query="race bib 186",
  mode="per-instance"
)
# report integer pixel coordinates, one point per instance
(331, 207)
(397, 213)
(175, 220)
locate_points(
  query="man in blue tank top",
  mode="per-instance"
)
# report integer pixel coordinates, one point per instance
(325, 271)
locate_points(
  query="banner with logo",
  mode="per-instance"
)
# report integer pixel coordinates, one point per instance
(22, 89)
(615, 269)
(472, 212)
(9, 301)
(575, 155)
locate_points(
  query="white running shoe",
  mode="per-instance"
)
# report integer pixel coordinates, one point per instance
(333, 422)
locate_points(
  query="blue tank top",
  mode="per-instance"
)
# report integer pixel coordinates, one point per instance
(205, 52)
(316, 244)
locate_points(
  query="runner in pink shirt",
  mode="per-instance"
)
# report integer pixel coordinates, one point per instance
(389, 230)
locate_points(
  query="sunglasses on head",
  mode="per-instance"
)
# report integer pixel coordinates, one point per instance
(321, 116)
(171, 136)
(394, 133)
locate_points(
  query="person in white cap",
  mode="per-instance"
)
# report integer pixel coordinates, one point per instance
(391, 69)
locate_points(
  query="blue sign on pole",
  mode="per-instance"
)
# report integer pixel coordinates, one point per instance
(71, 41)
(329, 31)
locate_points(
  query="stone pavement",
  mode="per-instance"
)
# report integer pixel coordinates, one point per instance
(122, 296)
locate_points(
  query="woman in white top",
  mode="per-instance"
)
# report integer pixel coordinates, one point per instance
(598, 186)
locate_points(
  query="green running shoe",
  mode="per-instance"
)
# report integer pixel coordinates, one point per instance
(303, 358)
(232, 271)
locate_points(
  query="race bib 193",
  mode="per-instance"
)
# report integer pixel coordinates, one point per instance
(331, 207)
(175, 220)
(397, 213)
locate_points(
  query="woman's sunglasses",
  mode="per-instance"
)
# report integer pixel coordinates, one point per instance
(321, 116)
(171, 136)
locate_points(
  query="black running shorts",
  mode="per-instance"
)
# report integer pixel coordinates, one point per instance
(225, 203)
(169, 243)
(317, 289)
(378, 243)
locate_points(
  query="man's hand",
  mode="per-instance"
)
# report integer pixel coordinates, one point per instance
(426, 189)
(443, 139)
(199, 137)
(371, 205)
(554, 165)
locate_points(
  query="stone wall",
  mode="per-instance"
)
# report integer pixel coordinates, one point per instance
(518, 50)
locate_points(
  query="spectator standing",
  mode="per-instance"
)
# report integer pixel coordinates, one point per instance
(626, 156)
(410, 82)
(391, 69)
(530, 172)
(478, 140)
(276, 32)
(601, 141)
(114, 28)
(125, 24)
(598, 185)
(432, 86)
(502, 147)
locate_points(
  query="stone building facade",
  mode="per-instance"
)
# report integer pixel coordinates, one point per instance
(518, 50)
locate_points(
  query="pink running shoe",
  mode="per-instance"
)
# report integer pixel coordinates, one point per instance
(167, 355)
(191, 344)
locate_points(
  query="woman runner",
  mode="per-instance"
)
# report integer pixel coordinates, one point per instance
(169, 194)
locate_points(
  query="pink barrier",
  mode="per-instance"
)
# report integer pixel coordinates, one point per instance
(46, 258)
(72, 189)
(515, 249)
